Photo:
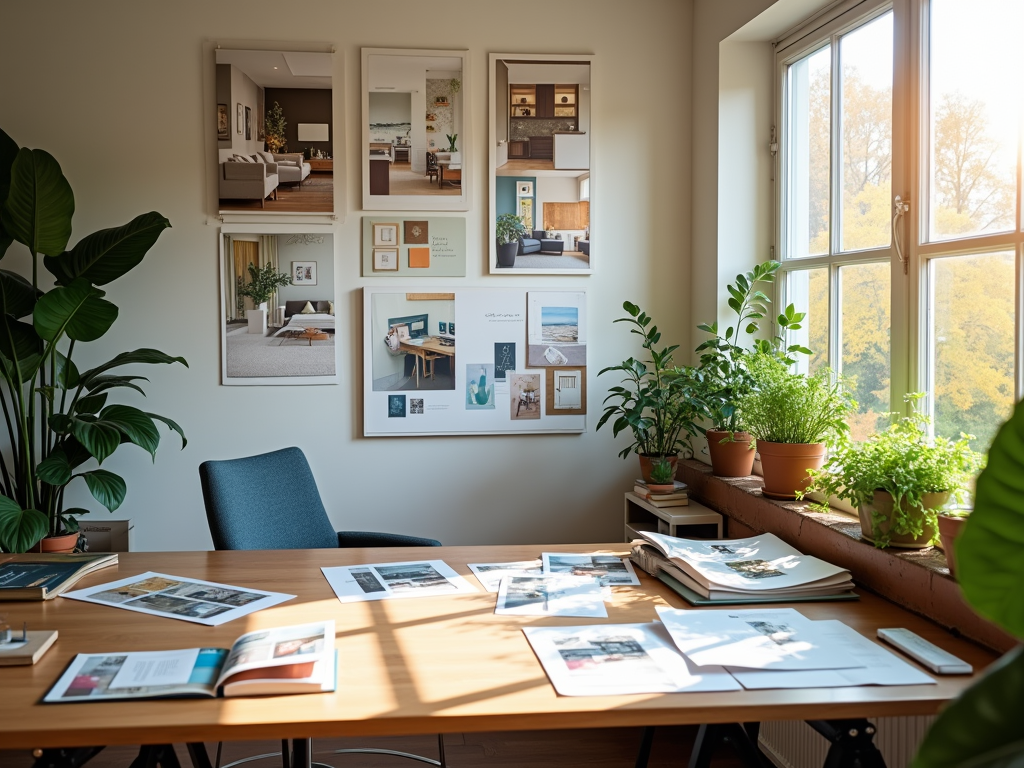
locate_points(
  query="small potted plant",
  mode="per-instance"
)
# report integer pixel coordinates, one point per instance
(663, 476)
(899, 479)
(263, 281)
(657, 402)
(951, 523)
(794, 418)
(508, 229)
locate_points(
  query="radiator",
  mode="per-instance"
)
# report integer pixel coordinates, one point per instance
(794, 744)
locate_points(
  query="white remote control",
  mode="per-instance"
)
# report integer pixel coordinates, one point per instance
(930, 655)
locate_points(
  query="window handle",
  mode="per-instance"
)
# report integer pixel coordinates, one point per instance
(900, 207)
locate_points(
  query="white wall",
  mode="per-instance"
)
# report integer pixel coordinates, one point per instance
(135, 74)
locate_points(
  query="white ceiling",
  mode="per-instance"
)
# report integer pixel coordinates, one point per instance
(282, 69)
(395, 72)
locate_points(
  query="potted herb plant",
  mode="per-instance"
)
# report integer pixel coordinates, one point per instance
(723, 366)
(657, 402)
(899, 479)
(263, 282)
(60, 425)
(662, 477)
(794, 418)
(508, 229)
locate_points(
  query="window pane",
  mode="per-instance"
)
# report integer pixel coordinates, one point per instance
(808, 148)
(972, 315)
(975, 102)
(866, 120)
(864, 344)
(807, 291)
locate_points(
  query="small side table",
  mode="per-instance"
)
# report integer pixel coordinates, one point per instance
(321, 164)
(691, 521)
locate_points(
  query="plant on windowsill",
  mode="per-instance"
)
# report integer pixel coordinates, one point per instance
(899, 479)
(58, 418)
(508, 229)
(658, 402)
(794, 418)
(723, 367)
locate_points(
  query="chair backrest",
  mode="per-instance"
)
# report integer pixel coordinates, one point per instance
(431, 161)
(269, 501)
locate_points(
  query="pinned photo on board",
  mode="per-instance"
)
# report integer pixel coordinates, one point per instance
(524, 395)
(556, 328)
(479, 386)
(504, 358)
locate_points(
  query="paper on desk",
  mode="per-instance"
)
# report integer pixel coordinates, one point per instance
(609, 570)
(616, 659)
(772, 638)
(490, 574)
(551, 596)
(151, 668)
(382, 581)
(880, 666)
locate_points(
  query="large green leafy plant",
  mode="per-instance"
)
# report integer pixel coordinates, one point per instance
(263, 281)
(509, 228)
(982, 728)
(58, 418)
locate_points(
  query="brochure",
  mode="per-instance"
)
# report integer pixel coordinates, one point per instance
(382, 581)
(44, 576)
(551, 596)
(295, 659)
(615, 659)
(609, 570)
(490, 574)
(159, 594)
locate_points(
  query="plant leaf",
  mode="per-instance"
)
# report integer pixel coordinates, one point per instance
(77, 309)
(39, 203)
(103, 383)
(91, 404)
(134, 424)
(147, 356)
(20, 528)
(100, 440)
(20, 345)
(108, 254)
(17, 296)
(55, 469)
(172, 424)
(106, 487)
(8, 151)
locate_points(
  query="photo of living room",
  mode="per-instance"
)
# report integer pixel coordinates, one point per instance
(413, 132)
(275, 132)
(278, 321)
(540, 154)
(413, 338)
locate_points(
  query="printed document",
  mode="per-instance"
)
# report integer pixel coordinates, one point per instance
(551, 596)
(490, 574)
(382, 581)
(609, 570)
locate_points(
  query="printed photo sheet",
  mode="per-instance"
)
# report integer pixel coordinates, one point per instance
(771, 639)
(618, 659)
(551, 596)
(880, 667)
(609, 570)
(159, 594)
(490, 574)
(382, 581)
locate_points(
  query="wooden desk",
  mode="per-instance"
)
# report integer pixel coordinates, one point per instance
(413, 666)
(432, 345)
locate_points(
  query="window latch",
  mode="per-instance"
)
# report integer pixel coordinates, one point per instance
(900, 208)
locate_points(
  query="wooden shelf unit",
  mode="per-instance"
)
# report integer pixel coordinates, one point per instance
(693, 521)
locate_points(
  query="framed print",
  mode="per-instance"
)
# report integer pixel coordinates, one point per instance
(385, 259)
(416, 146)
(385, 234)
(239, 118)
(223, 129)
(540, 136)
(416, 232)
(248, 124)
(303, 273)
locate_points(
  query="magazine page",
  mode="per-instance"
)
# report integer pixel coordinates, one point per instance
(755, 564)
(142, 675)
(757, 638)
(490, 574)
(382, 581)
(614, 659)
(881, 667)
(159, 594)
(296, 645)
(609, 570)
(551, 596)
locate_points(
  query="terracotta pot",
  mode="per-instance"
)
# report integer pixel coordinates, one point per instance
(660, 488)
(949, 530)
(785, 466)
(647, 461)
(57, 544)
(882, 504)
(733, 458)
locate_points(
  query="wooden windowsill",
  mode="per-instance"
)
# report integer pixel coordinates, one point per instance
(918, 580)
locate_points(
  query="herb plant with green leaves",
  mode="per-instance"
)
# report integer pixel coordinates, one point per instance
(657, 401)
(58, 418)
(263, 281)
(509, 228)
(662, 472)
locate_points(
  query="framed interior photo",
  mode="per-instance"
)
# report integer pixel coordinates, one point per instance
(248, 124)
(385, 259)
(239, 118)
(303, 273)
(223, 123)
(385, 234)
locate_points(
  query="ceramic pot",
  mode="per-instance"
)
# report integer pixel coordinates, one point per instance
(647, 463)
(659, 488)
(949, 531)
(733, 458)
(57, 544)
(882, 504)
(507, 254)
(785, 466)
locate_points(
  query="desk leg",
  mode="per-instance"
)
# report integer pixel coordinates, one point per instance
(710, 737)
(197, 752)
(852, 743)
(152, 755)
(302, 753)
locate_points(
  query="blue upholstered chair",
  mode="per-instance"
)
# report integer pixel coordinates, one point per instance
(271, 501)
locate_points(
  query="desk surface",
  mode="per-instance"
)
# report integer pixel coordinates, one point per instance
(408, 666)
(430, 344)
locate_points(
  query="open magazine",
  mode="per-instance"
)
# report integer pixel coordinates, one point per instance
(294, 659)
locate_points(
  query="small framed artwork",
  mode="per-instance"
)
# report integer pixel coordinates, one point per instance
(442, 327)
(303, 273)
(396, 406)
(248, 124)
(385, 234)
(239, 118)
(416, 232)
(385, 259)
(419, 258)
(223, 127)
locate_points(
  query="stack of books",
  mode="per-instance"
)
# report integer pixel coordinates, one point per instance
(758, 569)
(676, 498)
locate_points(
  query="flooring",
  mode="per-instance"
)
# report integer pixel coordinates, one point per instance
(315, 195)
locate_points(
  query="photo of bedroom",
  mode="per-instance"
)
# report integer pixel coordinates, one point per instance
(277, 329)
(413, 338)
